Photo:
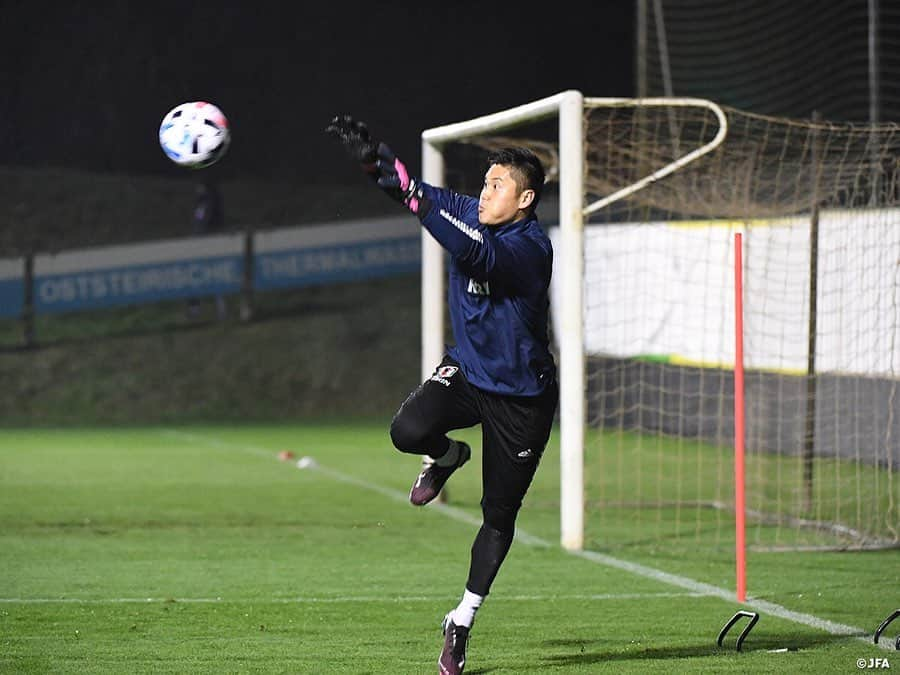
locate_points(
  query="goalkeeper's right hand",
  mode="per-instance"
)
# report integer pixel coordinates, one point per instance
(394, 179)
(377, 159)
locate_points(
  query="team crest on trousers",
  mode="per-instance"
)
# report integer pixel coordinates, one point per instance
(443, 374)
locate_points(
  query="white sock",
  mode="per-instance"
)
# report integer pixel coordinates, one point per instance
(464, 614)
(451, 457)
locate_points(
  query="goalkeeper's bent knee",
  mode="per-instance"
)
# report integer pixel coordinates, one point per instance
(499, 517)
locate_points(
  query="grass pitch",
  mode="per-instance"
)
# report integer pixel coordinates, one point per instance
(195, 550)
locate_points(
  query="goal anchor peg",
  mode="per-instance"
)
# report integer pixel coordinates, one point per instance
(753, 616)
(884, 624)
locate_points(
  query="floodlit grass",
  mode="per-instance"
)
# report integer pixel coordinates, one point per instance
(657, 487)
(194, 549)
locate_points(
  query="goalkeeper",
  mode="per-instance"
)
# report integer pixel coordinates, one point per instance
(500, 373)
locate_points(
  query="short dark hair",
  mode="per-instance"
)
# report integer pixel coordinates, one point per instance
(525, 167)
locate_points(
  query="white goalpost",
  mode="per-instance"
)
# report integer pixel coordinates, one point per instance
(570, 109)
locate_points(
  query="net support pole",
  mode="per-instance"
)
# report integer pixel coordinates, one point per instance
(570, 266)
(28, 332)
(809, 434)
(739, 497)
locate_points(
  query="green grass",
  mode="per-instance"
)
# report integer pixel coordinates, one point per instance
(192, 549)
(628, 501)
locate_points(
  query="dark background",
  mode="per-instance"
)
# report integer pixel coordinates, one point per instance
(86, 84)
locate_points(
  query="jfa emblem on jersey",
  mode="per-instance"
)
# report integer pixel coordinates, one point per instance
(443, 374)
(479, 287)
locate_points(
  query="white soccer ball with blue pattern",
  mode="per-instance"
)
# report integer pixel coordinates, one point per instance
(194, 134)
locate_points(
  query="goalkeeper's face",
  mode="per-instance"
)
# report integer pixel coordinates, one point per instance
(502, 201)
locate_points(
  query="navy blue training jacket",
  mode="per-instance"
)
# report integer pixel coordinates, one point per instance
(498, 293)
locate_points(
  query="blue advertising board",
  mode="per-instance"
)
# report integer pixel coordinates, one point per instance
(137, 284)
(203, 266)
(344, 262)
(12, 297)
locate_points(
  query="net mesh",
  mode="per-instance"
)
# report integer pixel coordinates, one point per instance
(817, 204)
(775, 58)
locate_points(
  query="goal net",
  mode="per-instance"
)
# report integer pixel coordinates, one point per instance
(662, 187)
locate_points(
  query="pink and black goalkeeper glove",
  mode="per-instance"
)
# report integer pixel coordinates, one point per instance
(395, 180)
(376, 159)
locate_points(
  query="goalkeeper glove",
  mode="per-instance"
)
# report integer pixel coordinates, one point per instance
(395, 180)
(377, 160)
(356, 140)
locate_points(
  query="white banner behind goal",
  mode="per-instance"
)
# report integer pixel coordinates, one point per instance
(665, 290)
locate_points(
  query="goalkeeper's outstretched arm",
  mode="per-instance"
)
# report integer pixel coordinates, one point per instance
(453, 222)
(376, 159)
(456, 232)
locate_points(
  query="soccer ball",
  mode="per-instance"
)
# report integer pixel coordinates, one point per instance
(194, 134)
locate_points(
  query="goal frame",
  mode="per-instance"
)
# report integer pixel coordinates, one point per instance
(569, 107)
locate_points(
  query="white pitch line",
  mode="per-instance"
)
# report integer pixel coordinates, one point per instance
(589, 597)
(691, 585)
